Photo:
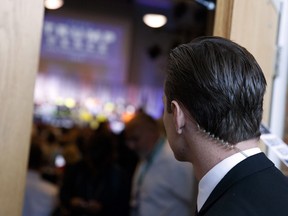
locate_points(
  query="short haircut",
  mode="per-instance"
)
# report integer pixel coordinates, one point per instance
(220, 84)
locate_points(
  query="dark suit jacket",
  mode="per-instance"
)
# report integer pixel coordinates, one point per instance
(253, 187)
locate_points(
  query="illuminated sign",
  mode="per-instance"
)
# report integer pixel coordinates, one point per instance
(100, 46)
(82, 40)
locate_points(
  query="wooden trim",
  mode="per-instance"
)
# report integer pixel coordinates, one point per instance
(20, 33)
(223, 18)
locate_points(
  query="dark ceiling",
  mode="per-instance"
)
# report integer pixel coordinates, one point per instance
(184, 16)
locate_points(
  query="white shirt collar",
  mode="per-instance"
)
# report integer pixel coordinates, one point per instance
(214, 176)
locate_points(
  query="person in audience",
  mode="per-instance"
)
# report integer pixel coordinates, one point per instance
(127, 159)
(213, 101)
(95, 186)
(161, 184)
(40, 197)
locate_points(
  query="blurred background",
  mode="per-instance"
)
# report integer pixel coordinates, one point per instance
(99, 61)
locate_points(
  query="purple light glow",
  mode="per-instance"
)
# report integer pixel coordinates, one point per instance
(87, 62)
(100, 45)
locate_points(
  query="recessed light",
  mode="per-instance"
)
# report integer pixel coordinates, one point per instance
(154, 20)
(53, 4)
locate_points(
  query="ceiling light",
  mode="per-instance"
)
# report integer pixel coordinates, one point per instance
(154, 20)
(53, 4)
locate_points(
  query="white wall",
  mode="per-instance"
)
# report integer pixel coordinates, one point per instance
(278, 102)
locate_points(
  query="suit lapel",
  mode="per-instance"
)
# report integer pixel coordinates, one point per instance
(245, 168)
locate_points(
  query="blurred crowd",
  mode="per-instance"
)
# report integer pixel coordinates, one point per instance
(82, 171)
(85, 171)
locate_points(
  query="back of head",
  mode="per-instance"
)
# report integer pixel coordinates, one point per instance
(144, 120)
(36, 160)
(142, 132)
(100, 151)
(220, 84)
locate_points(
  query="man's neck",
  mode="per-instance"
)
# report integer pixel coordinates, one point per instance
(215, 153)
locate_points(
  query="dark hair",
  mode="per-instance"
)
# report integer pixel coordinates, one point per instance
(101, 150)
(35, 160)
(220, 84)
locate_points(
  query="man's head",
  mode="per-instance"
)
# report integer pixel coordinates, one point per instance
(142, 133)
(220, 85)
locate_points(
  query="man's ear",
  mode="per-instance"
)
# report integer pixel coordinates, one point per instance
(178, 117)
